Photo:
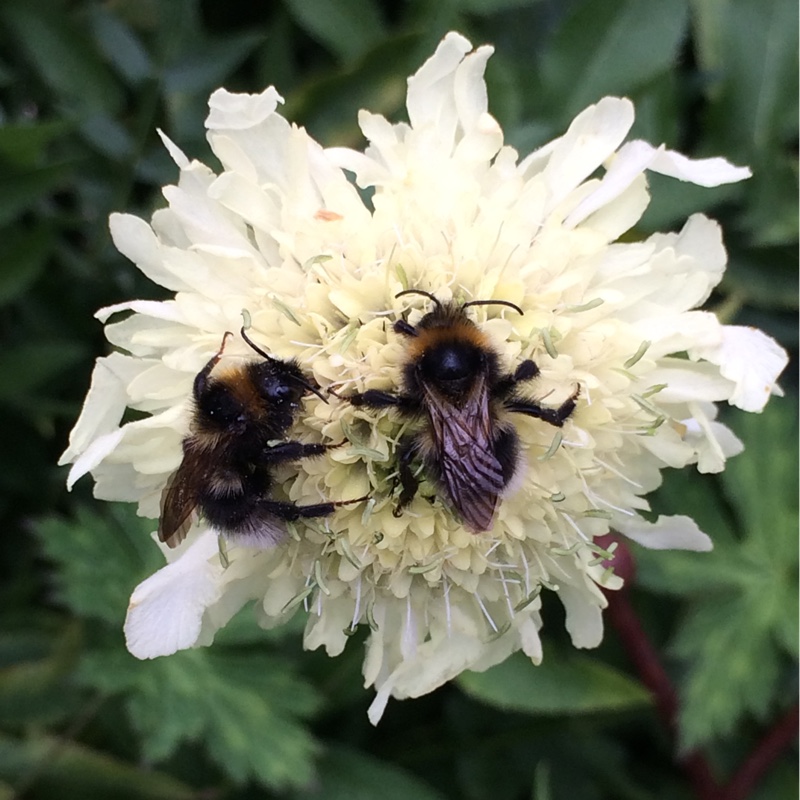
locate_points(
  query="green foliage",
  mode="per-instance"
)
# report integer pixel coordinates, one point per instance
(83, 87)
(561, 684)
(739, 635)
(246, 707)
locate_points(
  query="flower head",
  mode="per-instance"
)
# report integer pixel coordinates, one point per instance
(284, 234)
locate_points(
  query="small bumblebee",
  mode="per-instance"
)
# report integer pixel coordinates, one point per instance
(240, 418)
(452, 377)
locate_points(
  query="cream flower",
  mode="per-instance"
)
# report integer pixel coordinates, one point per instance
(284, 234)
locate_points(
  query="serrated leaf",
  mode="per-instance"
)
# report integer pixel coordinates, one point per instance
(348, 29)
(100, 559)
(247, 708)
(347, 774)
(744, 615)
(561, 684)
(593, 52)
(738, 670)
(60, 768)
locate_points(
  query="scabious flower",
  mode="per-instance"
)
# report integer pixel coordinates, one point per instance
(314, 244)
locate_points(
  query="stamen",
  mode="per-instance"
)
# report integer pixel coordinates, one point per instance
(222, 546)
(314, 260)
(447, 610)
(547, 340)
(485, 612)
(597, 513)
(285, 310)
(618, 473)
(369, 507)
(357, 609)
(574, 524)
(637, 356)
(299, 598)
(598, 301)
(319, 578)
(554, 445)
(347, 551)
(654, 389)
(401, 276)
(528, 600)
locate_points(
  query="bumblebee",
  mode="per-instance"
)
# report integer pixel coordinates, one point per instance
(452, 379)
(238, 428)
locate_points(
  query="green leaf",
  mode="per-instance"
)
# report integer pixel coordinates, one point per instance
(24, 143)
(750, 53)
(561, 684)
(593, 52)
(21, 190)
(39, 690)
(764, 276)
(23, 252)
(246, 707)
(346, 774)
(100, 559)
(741, 623)
(347, 29)
(62, 55)
(62, 769)
(34, 364)
(120, 44)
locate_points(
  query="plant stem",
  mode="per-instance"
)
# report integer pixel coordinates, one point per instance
(775, 741)
(647, 662)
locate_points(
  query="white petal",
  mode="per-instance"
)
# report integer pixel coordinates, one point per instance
(230, 111)
(177, 155)
(749, 358)
(666, 533)
(584, 615)
(591, 138)
(702, 171)
(98, 450)
(430, 91)
(105, 402)
(470, 89)
(135, 239)
(166, 610)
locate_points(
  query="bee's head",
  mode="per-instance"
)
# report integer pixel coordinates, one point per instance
(280, 383)
(452, 365)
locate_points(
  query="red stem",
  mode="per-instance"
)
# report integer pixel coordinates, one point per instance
(652, 674)
(775, 741)
(647, 662)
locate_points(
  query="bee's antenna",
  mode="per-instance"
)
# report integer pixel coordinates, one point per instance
(304, 383)
(494, 303)
(256, 347)
(420, 291)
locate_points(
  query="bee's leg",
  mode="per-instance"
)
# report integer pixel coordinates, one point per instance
(293, 451)
(555, 416)
(525, 371)
(506, 450)
(375, 398)
(406, 453)
(201, 380)
(291, 511)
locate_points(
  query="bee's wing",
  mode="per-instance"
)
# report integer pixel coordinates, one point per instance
(470, 472)
(179, 499)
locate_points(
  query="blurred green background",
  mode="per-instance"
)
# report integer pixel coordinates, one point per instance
(83, 87)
